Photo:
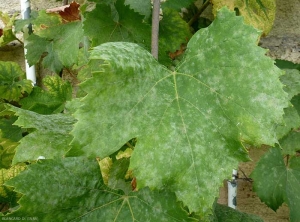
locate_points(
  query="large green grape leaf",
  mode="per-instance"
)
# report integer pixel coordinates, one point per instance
(101, 26)
(72, 189)
(49, 139)
(258, 13)
(56, 38)
(12, 82)
(51, 100)
(189, 123)
(275, 183)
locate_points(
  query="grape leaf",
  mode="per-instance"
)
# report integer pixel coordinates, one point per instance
(176, 4)
(59, 40)
(71, 13)
(173, 32)
(51, 100)
(142, 7)
(50, 137)
(275, 183)
(13, 133)
(7, 151)
(8, 197)
(291, 121)
(290, 143)
(12, 82)
(6, 34)
(191, 119)
(226, 214)
(72, 189)
(259, 13)
(99, 24)
(291, 80)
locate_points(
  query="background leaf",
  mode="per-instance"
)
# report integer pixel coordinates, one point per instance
(12, 82)
(101, 26)
(51, 100)
(72, 189)
(260, 13)
(50, 137)
(193, 118)
(275, 183)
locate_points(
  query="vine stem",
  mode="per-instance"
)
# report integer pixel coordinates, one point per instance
(199, 12)
(155, 28)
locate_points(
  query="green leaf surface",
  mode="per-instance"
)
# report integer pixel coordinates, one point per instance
(284, 64)
(101, 26)
(50, 137)
(51, 100)
(13, 133)
(291, 80)
(54, 40)
(291, 121)
(290, 143)
(226, 214)
(275, 183)
(191, 119)
(12, 84)
(176, 4)
(72, 189)
(142, 7)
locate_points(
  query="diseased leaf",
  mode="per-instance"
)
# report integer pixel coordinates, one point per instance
(194, 118)
(72, 189)
(6, 34)
(12, 82)
(50, 137)
(51, 100)
(71, 13)
(8, 197)
(173, 33)
(7, 151)
(259, 13)
(100, 25)
(275, 183)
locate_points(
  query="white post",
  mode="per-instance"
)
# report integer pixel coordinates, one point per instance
(25, 12)
(232, 190)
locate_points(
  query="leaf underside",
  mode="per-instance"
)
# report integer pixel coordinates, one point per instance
(194, 118)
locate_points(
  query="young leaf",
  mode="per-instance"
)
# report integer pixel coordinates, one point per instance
(50, 137)
(72, 189)
(101, 27)
(12, 84)
(260, 13)
(51, 100)
(276, 183)
(191, 119)
(6, 34)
